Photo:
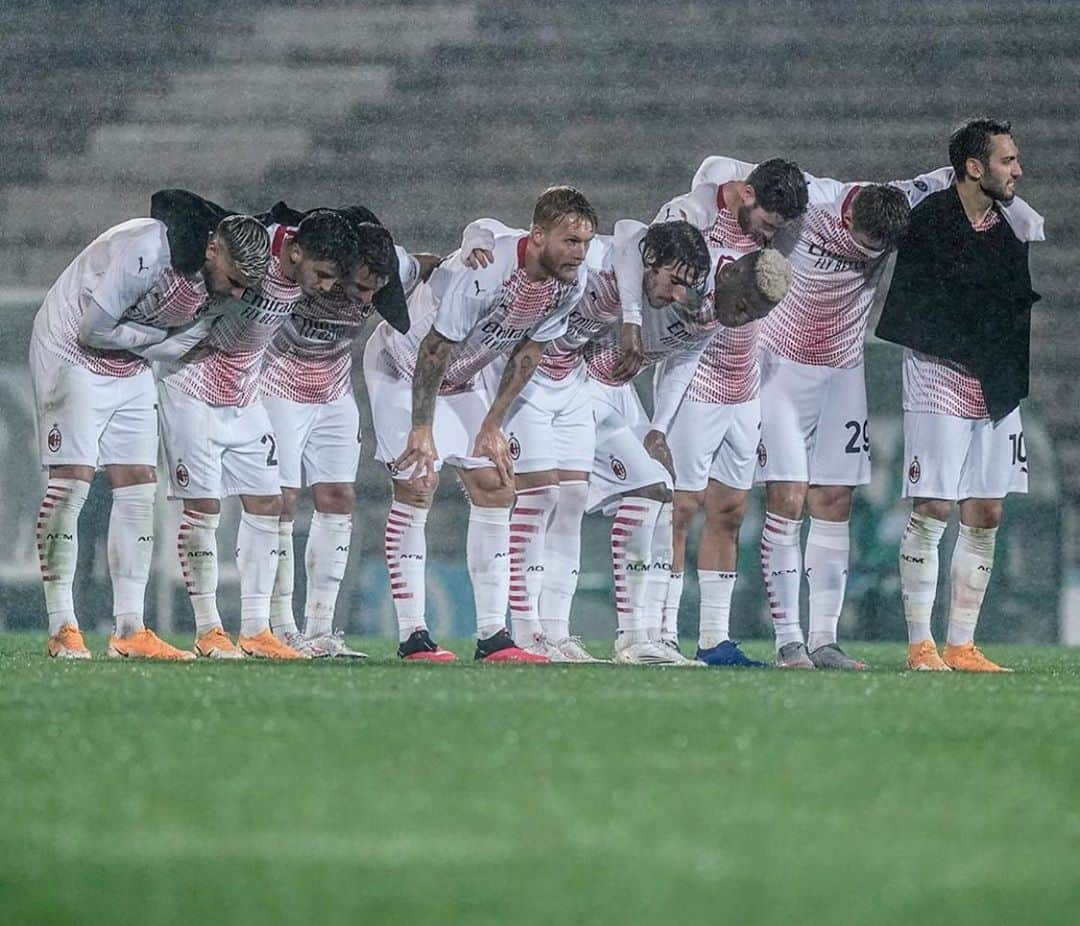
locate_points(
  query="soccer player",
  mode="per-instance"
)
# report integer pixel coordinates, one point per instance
(307, 391)
(219, 441)
(436, 377)
(713, 436)
(960, 304)
(95, 400)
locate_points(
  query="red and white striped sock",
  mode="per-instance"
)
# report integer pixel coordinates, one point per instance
(631, 546)
(781, 567)
(406, 561)
(58, 547)
(528, 529)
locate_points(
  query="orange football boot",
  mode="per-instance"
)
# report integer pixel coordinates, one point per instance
(215, 644)
(264, 645)
(967, 658)
(68, 643)
(923, 657)
(145, 644)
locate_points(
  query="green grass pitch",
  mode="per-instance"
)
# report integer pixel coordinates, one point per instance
(316, 793)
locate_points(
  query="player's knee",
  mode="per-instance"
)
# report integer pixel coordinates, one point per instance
(786, 499)
(334, 497)
(288, 503)
(981, 512)
(202, 505)
(268, 505)
(936, 508)
(686, 506)
(415, 494)
(124, 475)
(657, 492)
(829, 503)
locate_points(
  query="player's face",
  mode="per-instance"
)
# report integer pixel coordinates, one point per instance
(736, 298)
(758, 223)
(361, 285)
(314, 277)
(1002, 169)
(220, 273)
(667, 284)
(563, 246)
(865, 240)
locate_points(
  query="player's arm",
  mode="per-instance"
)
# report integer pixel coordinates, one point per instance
(478, 241)
(626, 262)
(432, 359)
(491, 441)
(673, 379)
(102, 331)
(179, 341)
(918, 188)
(720, 170)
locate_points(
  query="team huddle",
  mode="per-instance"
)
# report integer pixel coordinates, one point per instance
(512, 361)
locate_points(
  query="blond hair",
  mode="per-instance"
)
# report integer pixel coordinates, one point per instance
(248, 243)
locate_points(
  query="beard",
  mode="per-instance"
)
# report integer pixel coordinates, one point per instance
(996, 191)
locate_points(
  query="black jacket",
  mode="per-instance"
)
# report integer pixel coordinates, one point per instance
(964, 296)
(189, 219)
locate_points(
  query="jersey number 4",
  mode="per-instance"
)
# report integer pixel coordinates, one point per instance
(859, 442)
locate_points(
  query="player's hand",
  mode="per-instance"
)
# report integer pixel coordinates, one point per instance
(631, 354)
(478, 257)
(656, 446)
(419, 453)
(427, 263)
(492, 443)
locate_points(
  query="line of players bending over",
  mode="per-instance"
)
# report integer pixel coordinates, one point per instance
(512, 362)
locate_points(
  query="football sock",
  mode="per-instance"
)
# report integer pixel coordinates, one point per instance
(325, 560)
(196, 543)
(282, 620)
(528, 526)
(969, 574)
(130, 551)
(669, 627)
(58, 547)
(406, 556)
(659, 577)
(716, 589)
(781, 567)
(562, 559)
(256, 544)
(631, 547)
(487, 552)
(919, 573)
(827, 549)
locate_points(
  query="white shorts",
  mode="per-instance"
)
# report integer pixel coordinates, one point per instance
(956, 458)
(456, 422)
(86, 419)
(813, 424)
(620, 462)
(712, 441)
(216, 451)
(551, 426)
(316, 442)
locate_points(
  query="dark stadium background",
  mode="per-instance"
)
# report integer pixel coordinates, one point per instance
(434, 114)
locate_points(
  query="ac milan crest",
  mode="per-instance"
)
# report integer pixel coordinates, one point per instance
(183, 477)
(515, 447)
(914, 472)
(762, 453)
(55, 439)
(618, 468)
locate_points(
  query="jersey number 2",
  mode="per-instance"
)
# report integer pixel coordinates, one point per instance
(271, 460)
(859, 433)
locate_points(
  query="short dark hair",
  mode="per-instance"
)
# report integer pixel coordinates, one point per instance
(882, 212)
(780, 187)
(974, 139)
(557, 202)
(375, 249)
(325, 234)
(679, 244)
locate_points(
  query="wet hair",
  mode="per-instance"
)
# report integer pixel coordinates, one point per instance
(771, 272)
(677, 244)
(248, 243)
(881, 212)
(974, 139)
(326, 234)
(558, 202)
(779, 186)
(375, 249)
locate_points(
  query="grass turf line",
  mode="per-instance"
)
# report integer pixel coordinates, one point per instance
(236, 793)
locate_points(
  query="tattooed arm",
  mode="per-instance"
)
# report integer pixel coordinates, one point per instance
(490, 441)
(431, 361)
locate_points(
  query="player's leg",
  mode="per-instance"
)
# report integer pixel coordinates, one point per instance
(685, 506)
(996, 465)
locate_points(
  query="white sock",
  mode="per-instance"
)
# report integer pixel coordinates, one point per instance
(327, 555)
(130, 549)
(282, 620)
(528, 528)
(827, 550)
(663, 549)
(669, 627)
(716, 589)
(196, 544)
(406, 561)
(58, 547)
(969, 574)
(562, 559)
(487, 551)
(919, 573)
(631, 546)
(256, 545)
(781, 567)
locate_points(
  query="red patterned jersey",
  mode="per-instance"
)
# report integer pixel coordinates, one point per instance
(935, 385)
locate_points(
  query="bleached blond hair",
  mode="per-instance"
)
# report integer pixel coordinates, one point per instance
(248, 243)
(772, 275)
